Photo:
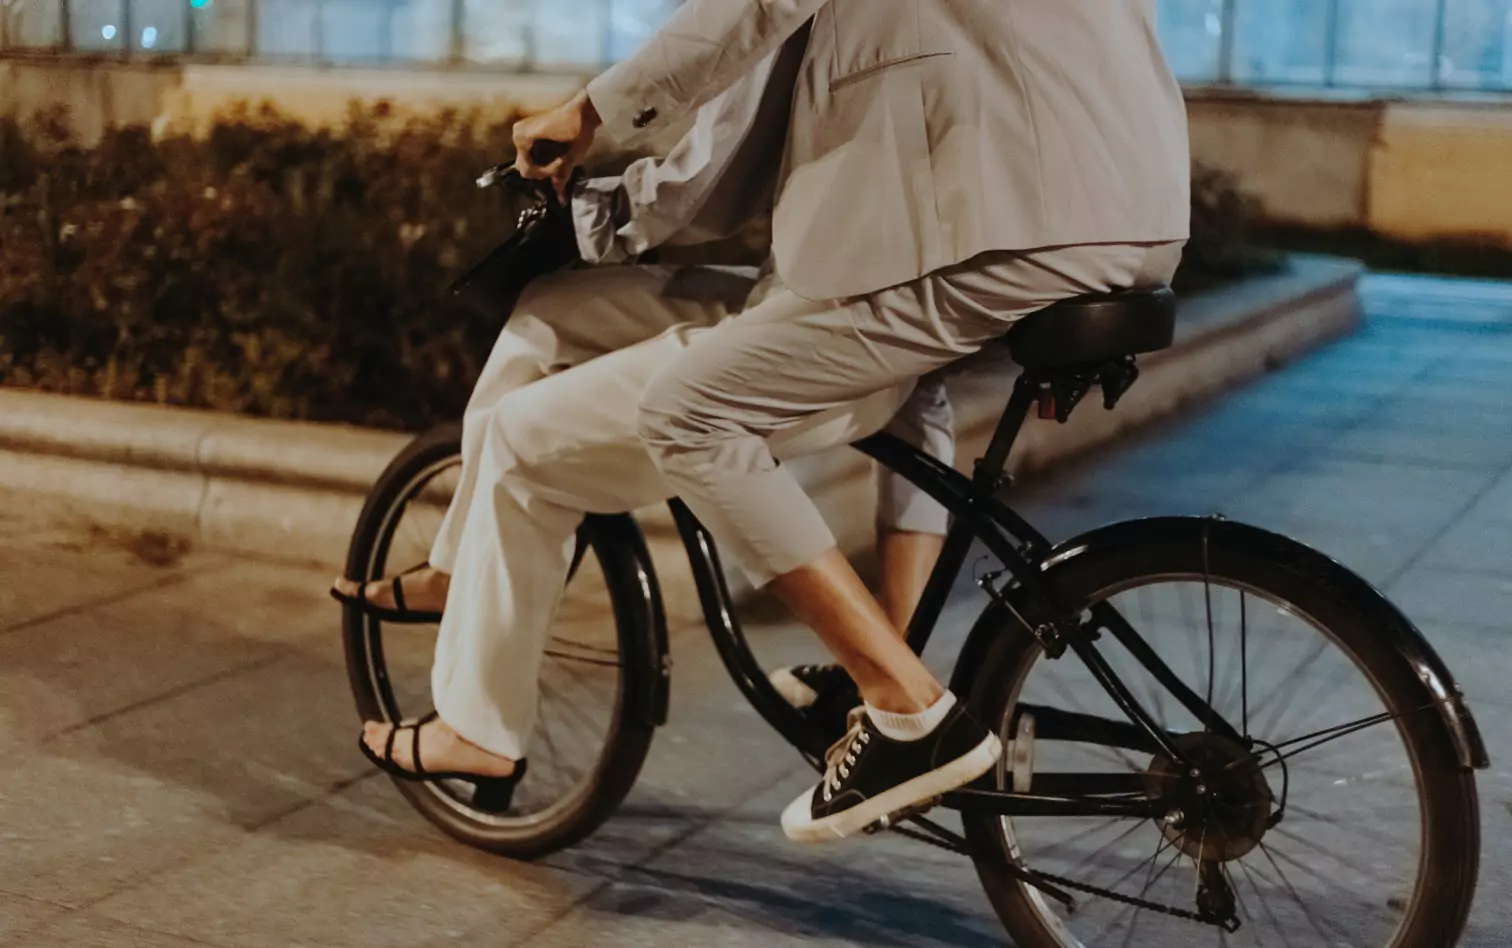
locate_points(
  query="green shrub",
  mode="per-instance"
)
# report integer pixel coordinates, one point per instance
(1225, 221)
(268, 269)
(273, 269)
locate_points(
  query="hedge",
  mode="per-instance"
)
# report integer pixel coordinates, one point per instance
(279, 270)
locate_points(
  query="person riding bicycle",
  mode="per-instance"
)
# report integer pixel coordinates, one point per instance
(935, 170)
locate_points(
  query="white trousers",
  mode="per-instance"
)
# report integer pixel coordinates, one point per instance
(612, 389)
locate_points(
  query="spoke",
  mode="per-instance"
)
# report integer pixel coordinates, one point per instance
(1329, 686)
(1244, 663)
(1331, 853)
(1328, 735)
(1115, 754)
(1078, 837)
(1189, 621)
(1264, 903)
(586, 660)
(1133, 828)
(587, 647)
(548, 740)
(1306, 912)
(1145, 891)
(1368, 832)
(1152, 687)
(1207, 597)
(574, 708)
(1175, 857)
(1293, 678)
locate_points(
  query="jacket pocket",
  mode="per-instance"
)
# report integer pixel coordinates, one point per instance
(840, 82)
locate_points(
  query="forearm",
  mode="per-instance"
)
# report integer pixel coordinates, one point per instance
(716, 178)
(703, 49)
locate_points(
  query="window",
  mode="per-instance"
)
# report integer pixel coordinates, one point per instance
(1280, 41)
(1395, 44)
(27, 23)
(1477, 48)
(1192, 33)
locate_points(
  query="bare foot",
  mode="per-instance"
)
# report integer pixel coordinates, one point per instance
(424, 590)
(441, 750)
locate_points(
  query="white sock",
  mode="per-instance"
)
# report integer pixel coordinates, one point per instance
(911, 727)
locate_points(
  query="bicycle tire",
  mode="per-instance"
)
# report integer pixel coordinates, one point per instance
(1436, 914)
(628, 739)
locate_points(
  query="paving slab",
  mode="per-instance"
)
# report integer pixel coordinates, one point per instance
(20, 916)
(87, 930)
(1433, 596)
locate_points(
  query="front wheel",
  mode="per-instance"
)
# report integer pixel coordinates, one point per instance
(1338, 815)
(593, 725)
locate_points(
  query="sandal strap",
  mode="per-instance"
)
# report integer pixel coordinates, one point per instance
(388, 745)
(415, 748)
(398, 588)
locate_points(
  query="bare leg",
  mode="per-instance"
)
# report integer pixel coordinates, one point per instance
(828, 596)
(907, 559)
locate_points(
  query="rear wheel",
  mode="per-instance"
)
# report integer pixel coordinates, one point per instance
(1339, 817)
(590, 738)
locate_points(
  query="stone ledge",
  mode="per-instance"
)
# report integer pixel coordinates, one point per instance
(293, 490)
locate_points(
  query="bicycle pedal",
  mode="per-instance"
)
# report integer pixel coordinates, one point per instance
(898, 816)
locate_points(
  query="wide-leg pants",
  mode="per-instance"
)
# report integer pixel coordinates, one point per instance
(612, 389)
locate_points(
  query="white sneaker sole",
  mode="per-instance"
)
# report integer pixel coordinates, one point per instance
(800, 826)
(792, 689)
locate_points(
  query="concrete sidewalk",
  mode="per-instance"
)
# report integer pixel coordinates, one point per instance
(179, 769)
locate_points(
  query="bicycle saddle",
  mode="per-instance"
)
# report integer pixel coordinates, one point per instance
(1084, 330)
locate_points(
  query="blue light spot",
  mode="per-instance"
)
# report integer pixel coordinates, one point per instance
(108, 31)
(149, 37)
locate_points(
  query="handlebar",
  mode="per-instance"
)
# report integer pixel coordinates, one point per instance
(509, 178)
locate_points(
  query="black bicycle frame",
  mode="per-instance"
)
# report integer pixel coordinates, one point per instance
(980, 515)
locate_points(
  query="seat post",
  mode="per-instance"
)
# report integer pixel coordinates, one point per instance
(990, 466)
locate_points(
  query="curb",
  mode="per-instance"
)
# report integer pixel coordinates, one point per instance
(293, 490)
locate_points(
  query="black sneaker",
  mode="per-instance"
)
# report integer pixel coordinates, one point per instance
(871, 776)
(824, 694)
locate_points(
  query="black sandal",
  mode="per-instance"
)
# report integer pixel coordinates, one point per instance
(493, 794)
(400, 615)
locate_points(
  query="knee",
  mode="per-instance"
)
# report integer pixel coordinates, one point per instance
(511, 434)
(675, 417)
(661, 416)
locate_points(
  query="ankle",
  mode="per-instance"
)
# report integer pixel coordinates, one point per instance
(912, 726)
(897, 698)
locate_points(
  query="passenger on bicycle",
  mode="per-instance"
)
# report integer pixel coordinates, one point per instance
(935, 169)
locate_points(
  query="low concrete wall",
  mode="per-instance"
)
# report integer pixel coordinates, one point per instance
(293, 490)
(323, 96)
(1308, 162)
(1411, 168)
(1442, 170)
(96, 94)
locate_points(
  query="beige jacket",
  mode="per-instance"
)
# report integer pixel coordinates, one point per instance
(896, 137)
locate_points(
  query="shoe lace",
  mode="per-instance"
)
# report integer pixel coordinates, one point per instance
(842, 754)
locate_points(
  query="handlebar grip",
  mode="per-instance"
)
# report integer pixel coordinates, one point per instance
(544, 152)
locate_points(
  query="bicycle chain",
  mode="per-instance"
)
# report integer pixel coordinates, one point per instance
(1133, 900)
(1046, 877)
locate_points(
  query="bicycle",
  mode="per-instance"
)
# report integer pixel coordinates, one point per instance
(1201, 769)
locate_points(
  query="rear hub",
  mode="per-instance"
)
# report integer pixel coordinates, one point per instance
(1218, 808)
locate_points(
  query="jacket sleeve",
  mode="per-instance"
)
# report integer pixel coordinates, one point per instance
(702, 50)
(721, 174)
